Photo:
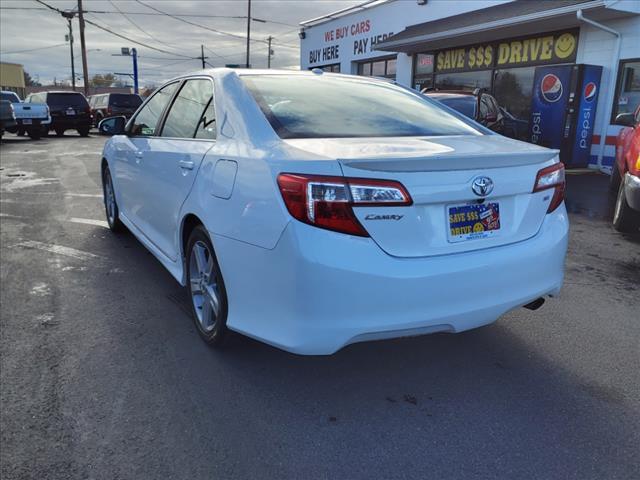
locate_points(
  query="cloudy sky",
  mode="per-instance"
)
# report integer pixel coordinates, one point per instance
(28, 25)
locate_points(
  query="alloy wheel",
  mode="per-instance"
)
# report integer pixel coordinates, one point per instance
(204, 286)
(109, 199)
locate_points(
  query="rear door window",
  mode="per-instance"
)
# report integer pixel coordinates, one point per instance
(465, 104)
(148, 118)
(65, 100)
(189, 111)
(124, 100)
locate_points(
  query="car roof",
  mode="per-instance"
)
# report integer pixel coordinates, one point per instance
(223, 71)
(450, 93)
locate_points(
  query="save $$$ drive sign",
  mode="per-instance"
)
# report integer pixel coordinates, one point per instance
(549, 48)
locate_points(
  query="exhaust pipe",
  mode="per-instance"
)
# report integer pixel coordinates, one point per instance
(536, 304)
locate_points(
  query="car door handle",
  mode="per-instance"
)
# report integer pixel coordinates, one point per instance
(186, 164)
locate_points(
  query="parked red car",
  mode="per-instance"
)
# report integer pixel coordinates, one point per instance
(625, 178)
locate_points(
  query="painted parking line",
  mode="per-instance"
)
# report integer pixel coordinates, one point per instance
(88, 195)
(58, 250)
(24, 152)
(89, 221)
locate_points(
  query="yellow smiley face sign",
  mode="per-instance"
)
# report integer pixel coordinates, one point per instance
(565, 45)
(478, 227)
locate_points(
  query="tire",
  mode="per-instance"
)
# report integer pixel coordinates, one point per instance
(20, 132)
(34, 133)
(206, 288)
(625, 219)
(59, 132)
(84, 131)
(616, 178)
(44, 131)
(110, 205)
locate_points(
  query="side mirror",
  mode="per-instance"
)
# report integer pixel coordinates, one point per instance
(625, 119)
(112, 126)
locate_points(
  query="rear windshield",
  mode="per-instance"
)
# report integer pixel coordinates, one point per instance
(12, 97)
(465, 104)
(124, 100)
(76, 100)
(332, 106)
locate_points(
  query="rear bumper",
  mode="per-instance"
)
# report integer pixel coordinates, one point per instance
(32, 122)
(70, 123)
(632, 190)
(318, 291)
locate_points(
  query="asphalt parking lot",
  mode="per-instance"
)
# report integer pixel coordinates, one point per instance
(103, 375)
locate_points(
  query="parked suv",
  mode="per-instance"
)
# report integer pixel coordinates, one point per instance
(111, 104)
(477, 105)
(69, 111)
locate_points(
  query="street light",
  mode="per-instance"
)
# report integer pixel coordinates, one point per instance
(133, 53)
(69, 16)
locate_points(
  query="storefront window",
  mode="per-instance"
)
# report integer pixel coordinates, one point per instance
(378, 68)
(513, 89)
(424, 64)
(464, 80)
(627, 96)
(423, 71)
(364, 69)
(334, 67)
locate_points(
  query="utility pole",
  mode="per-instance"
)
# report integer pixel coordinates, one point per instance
(69, 16)
(83, 47)
(248, 31)
(202, 57)
(269, 52)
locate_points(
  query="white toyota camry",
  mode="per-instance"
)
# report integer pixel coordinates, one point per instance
(312, 210)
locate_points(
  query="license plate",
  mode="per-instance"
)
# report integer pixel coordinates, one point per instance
(71, 111)
(473, 220)
(27, 121)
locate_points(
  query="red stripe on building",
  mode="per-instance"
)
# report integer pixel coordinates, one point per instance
(610, 140)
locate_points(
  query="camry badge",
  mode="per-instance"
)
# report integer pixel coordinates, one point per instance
(383, 217)
(482, 186)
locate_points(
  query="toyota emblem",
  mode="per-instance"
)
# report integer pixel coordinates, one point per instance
(482, 186)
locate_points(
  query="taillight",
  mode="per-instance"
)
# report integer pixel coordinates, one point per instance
(635, 168)
(551, 177)
(327, 202)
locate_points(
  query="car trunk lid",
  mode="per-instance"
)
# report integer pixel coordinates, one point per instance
(439, 174)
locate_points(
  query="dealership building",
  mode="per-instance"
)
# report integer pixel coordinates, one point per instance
(524, 52)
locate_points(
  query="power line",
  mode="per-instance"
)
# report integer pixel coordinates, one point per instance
(219, 32)
(138, 26)
(175, 17)
(224, 56)
(185, 15)
(135, 41)
(33, 49)
(49, 6)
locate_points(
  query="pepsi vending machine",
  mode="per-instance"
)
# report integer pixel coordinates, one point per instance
(563, 110)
